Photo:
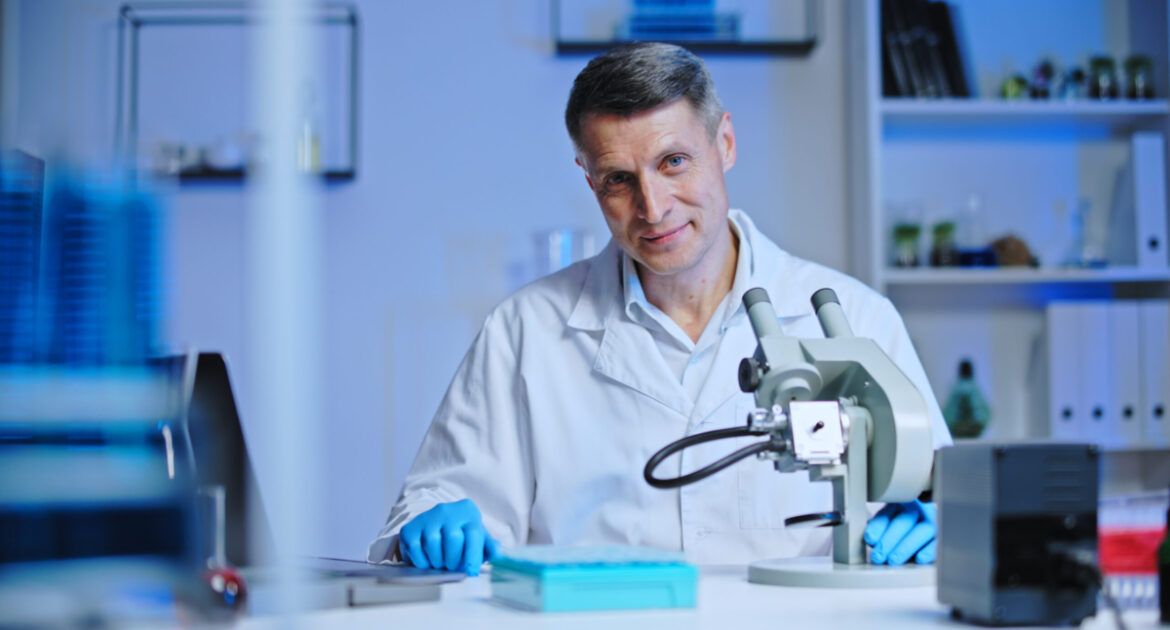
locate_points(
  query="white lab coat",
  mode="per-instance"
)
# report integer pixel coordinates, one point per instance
(562, 398)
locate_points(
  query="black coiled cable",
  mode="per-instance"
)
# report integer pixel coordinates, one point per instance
(710, 469)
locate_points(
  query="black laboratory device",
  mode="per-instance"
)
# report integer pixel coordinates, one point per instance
(1017, 532)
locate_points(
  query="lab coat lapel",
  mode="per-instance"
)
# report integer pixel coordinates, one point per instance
(629, 356)
(627, 353)
(722, 382)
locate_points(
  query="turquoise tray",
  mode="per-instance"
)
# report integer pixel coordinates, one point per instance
(560, 579)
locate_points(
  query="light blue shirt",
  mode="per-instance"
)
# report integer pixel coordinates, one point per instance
(689, 361)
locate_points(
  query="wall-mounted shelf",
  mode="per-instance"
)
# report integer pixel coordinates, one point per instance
(800, 48)
(986, 112)
(585, 27)
(227, 175)
(138, 17)
(929, 277)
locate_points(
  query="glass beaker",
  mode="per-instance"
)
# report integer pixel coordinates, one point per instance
(560, 247)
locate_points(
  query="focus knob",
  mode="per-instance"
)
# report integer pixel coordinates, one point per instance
(749, 375)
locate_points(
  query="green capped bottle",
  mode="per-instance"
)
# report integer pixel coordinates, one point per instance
(966, 411)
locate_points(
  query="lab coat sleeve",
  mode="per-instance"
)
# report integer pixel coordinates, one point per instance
(477, 447)
(895, 340)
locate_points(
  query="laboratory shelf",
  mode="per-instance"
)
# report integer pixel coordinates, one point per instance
(1011, 276)
(801, 48)
(1140, 447)
(228, 175)
(979, 112)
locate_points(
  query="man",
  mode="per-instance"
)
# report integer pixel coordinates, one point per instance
(577, 379)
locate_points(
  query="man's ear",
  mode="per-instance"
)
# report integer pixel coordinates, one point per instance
(726, 139)
(588, 179)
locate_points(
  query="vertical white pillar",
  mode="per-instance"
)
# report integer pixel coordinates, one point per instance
(9, 70)
(285, 285)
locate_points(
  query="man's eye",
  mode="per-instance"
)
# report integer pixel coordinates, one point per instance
(675, 161)
(617, 179)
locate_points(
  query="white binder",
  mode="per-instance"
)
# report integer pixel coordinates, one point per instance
(1095, 363)
(1126, 428)
(1154, 316)
(1147, 152)
(1064, 412)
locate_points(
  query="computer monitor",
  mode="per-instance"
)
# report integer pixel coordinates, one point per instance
(219, 452)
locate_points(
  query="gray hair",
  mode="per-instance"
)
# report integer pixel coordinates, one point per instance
(637, 77)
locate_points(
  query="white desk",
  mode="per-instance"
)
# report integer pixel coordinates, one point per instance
(727, 601)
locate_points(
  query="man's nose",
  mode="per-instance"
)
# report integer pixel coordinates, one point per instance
(655, 199)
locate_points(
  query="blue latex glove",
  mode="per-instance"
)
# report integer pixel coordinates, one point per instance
(901, 531)
(448, 536)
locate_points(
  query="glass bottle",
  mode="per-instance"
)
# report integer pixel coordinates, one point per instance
(966, 411)
(1102, 78)
(1139, 74)
(969, 230)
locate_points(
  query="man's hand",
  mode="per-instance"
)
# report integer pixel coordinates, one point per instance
(448, 536)
(901, 531)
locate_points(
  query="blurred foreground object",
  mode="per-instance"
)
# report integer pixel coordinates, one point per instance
(21, 194)
(1164, 573)
(1018, 533)
(1129, 528)
(96, 509)
(100, 288)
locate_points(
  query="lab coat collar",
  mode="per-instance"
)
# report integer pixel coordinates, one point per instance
(627, 353)
(602, 294)
(771, 267)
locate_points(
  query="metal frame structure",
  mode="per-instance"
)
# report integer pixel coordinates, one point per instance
(132, 17)
(781, 48)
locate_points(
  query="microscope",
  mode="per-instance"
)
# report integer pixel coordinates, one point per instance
(839, 408)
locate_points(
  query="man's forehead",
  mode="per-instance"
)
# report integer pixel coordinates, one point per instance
(648, 130)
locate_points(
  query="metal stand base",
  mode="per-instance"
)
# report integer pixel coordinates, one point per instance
(824, 573)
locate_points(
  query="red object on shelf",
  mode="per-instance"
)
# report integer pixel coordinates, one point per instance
(1129, 550)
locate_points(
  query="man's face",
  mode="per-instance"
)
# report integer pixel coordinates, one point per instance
(658, 176)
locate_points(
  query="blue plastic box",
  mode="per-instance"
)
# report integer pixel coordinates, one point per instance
(559, 579)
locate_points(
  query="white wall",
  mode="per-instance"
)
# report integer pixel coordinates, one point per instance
(463, 156)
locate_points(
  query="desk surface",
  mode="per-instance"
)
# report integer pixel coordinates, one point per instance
(727, 601)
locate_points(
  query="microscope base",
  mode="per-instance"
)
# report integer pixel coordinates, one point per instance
(824, 573)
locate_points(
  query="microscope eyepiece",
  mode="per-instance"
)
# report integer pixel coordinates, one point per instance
(823, 297)
(755, 296)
